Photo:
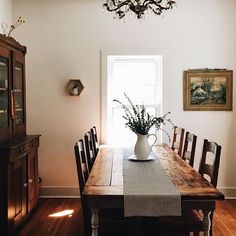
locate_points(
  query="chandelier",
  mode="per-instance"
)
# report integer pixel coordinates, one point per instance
(139, 7)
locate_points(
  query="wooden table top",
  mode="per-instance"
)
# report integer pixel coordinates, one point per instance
(106, 177)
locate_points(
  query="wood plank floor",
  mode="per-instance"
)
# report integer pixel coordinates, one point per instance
(40, 224)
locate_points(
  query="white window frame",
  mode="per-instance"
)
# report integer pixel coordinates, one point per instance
(105, 114)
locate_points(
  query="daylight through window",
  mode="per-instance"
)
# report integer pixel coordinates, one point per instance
(140, 78)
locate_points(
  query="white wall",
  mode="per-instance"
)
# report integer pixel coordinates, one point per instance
(5, 13)
(64, 40)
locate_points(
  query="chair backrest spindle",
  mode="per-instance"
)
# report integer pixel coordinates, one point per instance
(81, 164)
(178, 138)
(94, 139)
(89, 149)
(188, 155)
(210, 169)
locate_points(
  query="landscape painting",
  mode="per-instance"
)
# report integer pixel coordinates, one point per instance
(208, 90)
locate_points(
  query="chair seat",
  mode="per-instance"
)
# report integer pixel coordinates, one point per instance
(190, 221)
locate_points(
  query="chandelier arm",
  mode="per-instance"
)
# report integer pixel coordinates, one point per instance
(117, 6)
(146, 2)
(159, 6)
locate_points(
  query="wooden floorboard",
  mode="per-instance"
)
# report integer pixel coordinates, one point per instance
(40, 224)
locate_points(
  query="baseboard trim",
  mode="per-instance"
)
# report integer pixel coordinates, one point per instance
(229, 192)
(59, 192)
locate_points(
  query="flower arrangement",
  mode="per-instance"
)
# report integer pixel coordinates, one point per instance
(18, 23)
(12, 27)
(139, 120)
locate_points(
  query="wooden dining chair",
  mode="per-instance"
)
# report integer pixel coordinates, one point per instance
(94, 139)
(210, 167)
(177, 141)
(89, 150)
(192, 220)
(189, 148)
(81, 164)
(83, 174)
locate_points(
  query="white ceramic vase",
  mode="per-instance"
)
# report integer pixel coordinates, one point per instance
(142, 147)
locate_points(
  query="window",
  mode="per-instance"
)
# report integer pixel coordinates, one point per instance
(140, 78)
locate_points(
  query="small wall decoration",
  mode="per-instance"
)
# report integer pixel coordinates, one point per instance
(74, 87)
(208, 90)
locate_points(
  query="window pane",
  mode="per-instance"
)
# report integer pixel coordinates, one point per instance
(18, 87)
(4, 98)
(134, 72)
(139, 94)
(140, 78)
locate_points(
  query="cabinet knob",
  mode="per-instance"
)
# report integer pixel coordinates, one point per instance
(25, 185)
(30, 180)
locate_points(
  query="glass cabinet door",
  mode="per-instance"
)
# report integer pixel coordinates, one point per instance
(18, 93)
(4, 92)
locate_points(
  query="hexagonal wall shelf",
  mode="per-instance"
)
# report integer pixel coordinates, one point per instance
(74, 87)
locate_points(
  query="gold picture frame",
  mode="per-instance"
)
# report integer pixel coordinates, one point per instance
(208, 90)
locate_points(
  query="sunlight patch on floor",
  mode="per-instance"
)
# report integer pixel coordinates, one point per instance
(62, 213)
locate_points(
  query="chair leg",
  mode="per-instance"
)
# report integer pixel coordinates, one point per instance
(87, 222)
(211, 216)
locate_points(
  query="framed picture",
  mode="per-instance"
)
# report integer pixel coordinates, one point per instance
(208, 90)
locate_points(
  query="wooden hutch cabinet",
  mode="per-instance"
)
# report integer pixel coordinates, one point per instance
(19, 187)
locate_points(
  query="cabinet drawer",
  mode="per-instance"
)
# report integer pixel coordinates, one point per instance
(24, 148)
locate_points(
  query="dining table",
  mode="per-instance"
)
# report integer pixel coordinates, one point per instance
(104, 187)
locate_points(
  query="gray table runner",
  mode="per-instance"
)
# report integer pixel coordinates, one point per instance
(148, 191)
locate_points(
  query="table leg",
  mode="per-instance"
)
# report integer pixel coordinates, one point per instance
(207, 222)
(95, 221)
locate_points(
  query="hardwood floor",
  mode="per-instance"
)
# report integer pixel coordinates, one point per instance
(40, 224)
(225, 218)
